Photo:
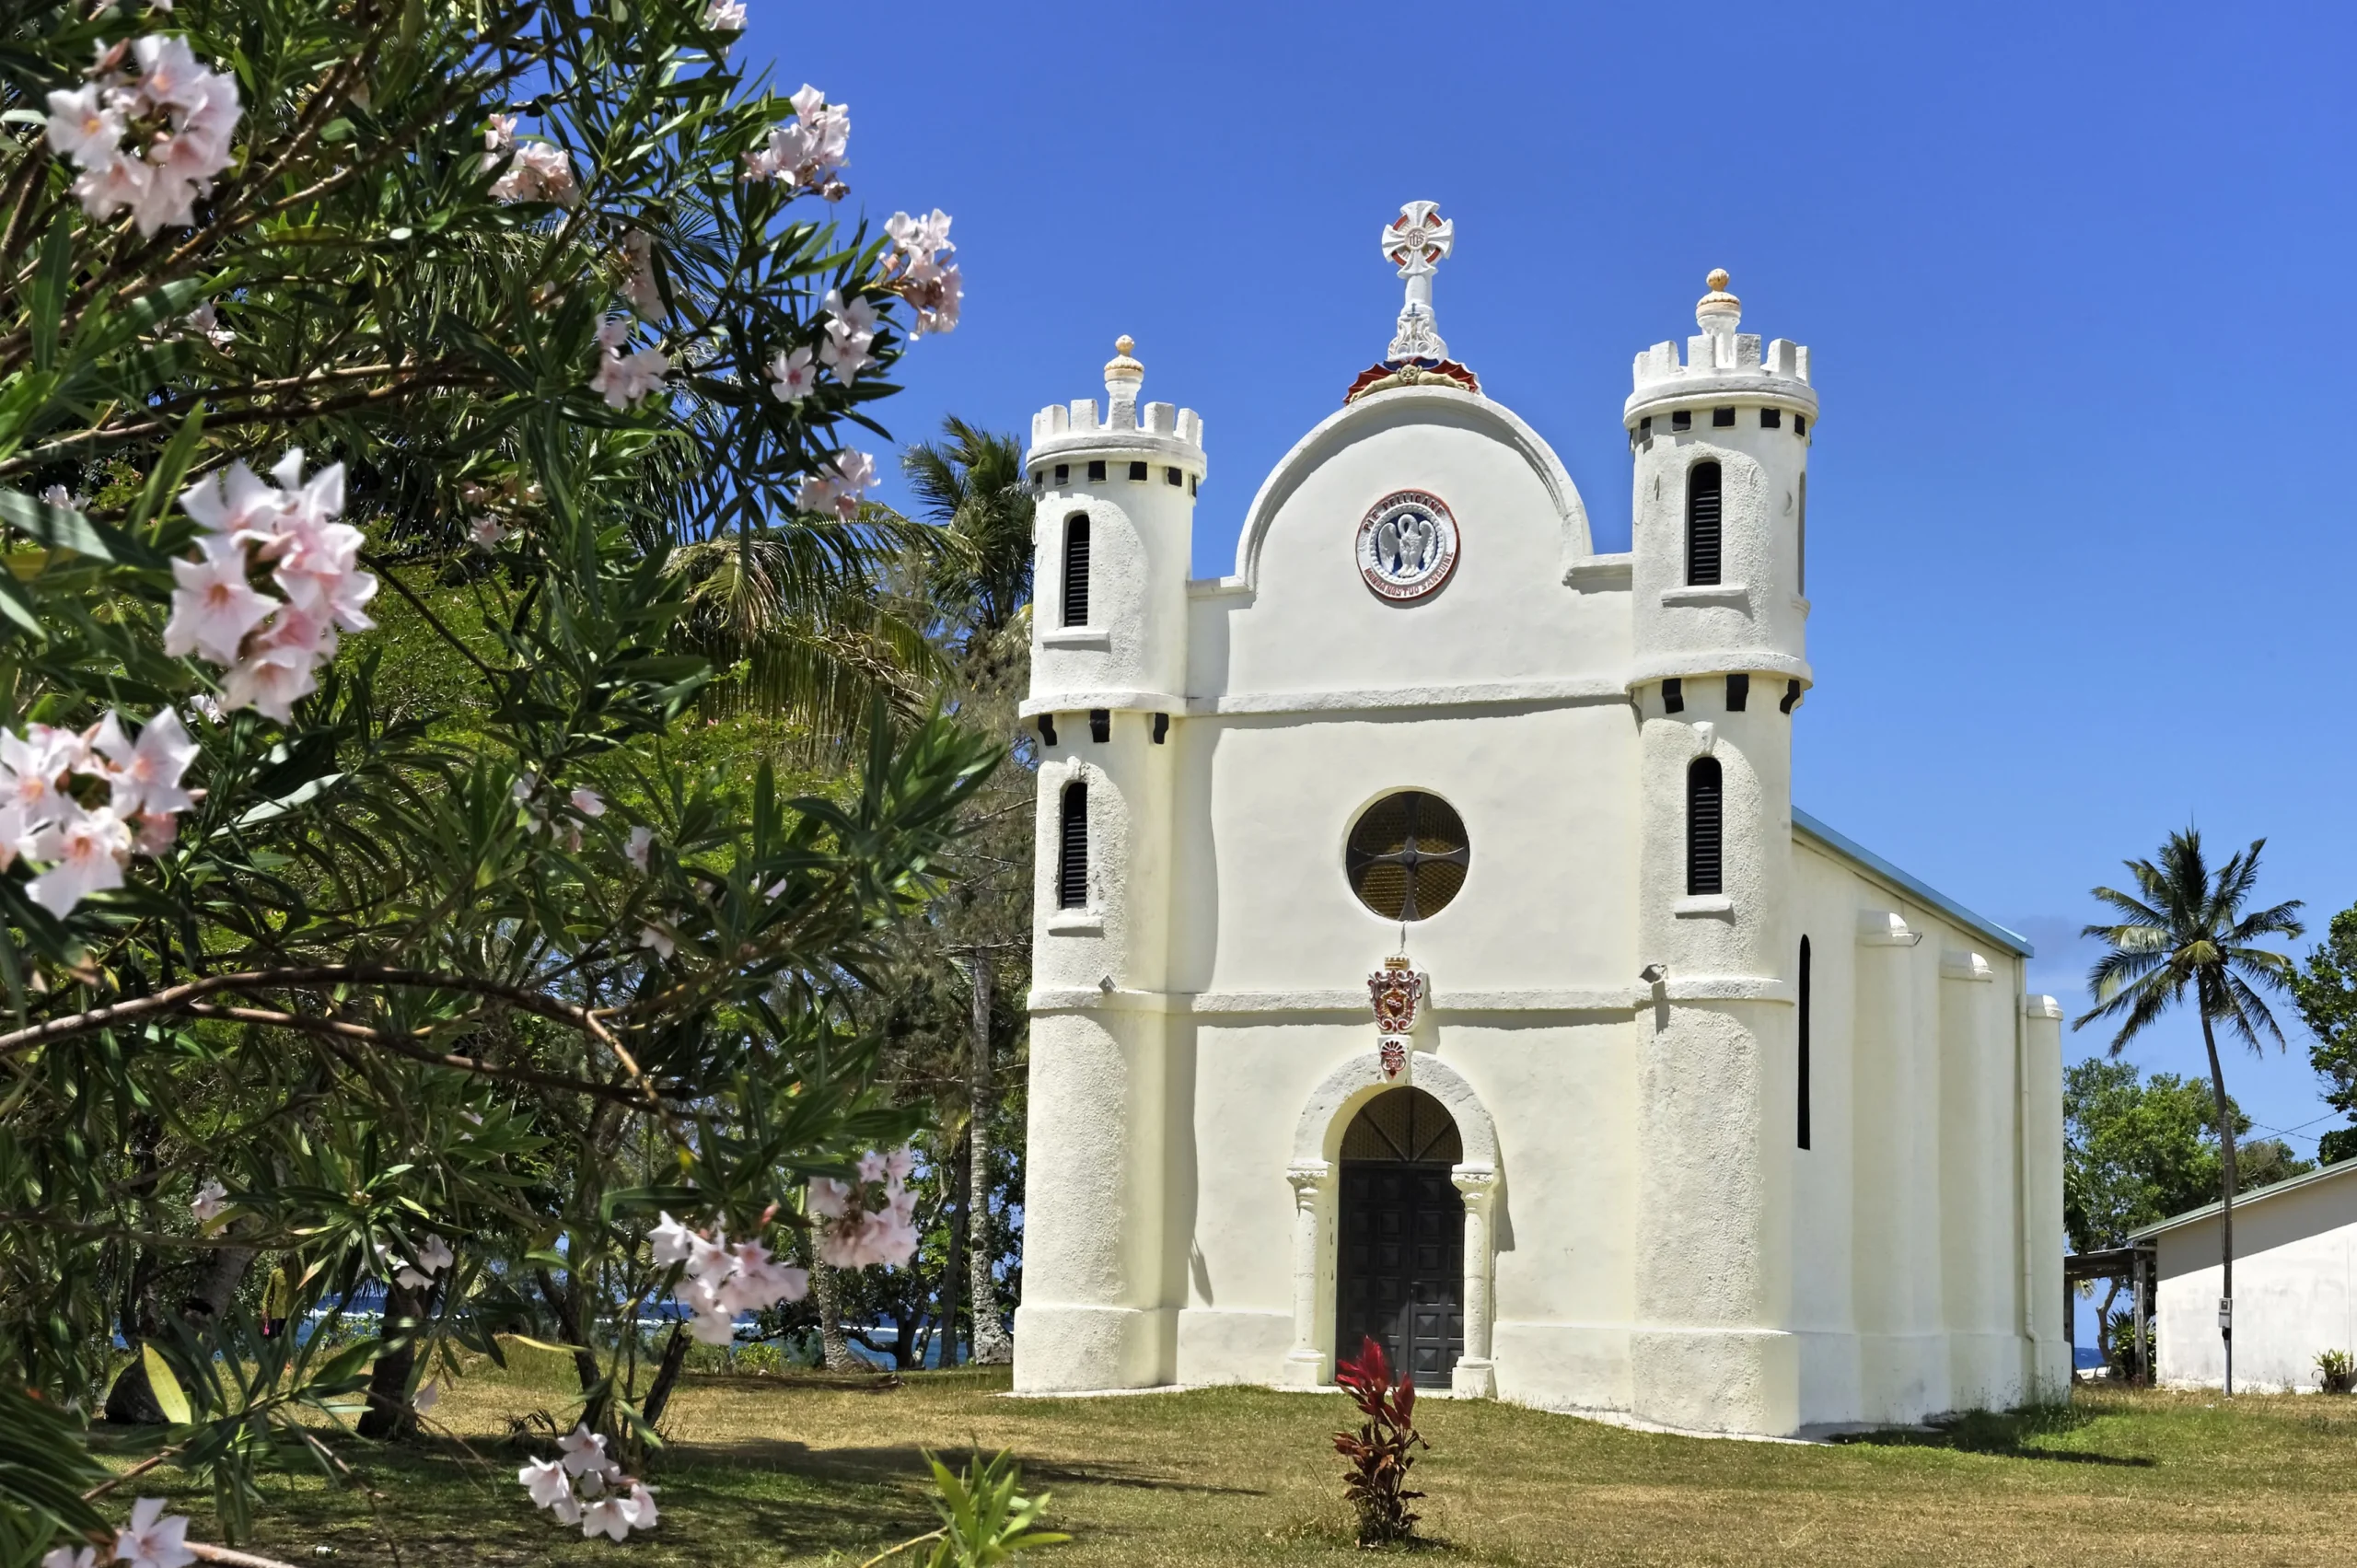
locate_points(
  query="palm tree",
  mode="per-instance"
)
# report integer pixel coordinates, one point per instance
(971, 486)
(2189, 929)
(792, 618)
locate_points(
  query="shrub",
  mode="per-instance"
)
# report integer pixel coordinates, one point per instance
(1382, 1448)
(2336, 1372)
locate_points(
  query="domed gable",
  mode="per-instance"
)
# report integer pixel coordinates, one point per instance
(1417, 538)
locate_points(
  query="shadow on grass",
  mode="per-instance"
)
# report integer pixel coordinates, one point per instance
(898, 1463)
(2006, 1435)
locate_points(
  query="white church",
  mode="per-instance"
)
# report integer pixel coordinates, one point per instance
(1427, 945)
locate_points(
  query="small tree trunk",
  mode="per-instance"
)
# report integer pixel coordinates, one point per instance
(834, 1349)
(675, 1356)
(388, 1416)
(991, 1346)
(585, 1355)
(2226, 1196)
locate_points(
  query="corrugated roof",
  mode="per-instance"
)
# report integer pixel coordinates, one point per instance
(2245, 1199)
(2012, 941)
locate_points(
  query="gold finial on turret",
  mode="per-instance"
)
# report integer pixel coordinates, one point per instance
(1718, 311)
(1121, 367)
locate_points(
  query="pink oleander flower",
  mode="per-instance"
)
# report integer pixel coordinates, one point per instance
(583, 1450)
(544, 1482)
(623, 378)
(838, 486)
(70, 1557)
(84, 126)
(207, 320)
(85, 851)
(645, 295)
(161, 181)
(144, 776)
(640, 844)
(537, 171)
(657, 938)
(152, 1540)
(587, 801)
(214, 607)
(808, 149)
(498, 137)
(724, 15)
(670, 1241)
(792, 378)
(486, 533)
(210, 1200)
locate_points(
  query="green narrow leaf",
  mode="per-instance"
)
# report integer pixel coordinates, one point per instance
(169, 469)
(56, 271)
(15, 605)
(165, 1387)
(64, 527)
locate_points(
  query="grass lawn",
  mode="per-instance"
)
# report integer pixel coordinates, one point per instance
(805, 1469)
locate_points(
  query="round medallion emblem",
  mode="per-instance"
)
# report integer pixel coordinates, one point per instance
(1407, 545)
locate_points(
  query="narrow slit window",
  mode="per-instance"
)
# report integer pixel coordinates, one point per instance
(1803, 1062)
(1705, 819)
(1076, 571)
(1702, 525)
(1071, 858)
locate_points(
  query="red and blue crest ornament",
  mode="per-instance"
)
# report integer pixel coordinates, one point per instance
(1398, 990)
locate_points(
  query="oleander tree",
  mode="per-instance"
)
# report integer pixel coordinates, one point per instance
(326, 327)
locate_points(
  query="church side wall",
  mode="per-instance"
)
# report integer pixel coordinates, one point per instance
(1914, 1280)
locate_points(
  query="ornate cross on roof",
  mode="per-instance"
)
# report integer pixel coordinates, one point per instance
(1417, 241)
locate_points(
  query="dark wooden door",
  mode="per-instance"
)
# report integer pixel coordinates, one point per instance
(1403, 1273)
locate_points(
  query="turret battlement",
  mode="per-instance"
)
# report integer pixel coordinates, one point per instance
(1720, 363)
(1172, 434)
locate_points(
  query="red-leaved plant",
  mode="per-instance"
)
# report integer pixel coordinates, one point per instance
(1382, 1448)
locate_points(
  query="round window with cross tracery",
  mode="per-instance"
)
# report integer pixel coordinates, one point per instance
(1408, 856)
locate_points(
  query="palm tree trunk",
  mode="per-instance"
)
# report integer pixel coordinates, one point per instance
(992, 1347)
(834, 1345)
(2226, 1196)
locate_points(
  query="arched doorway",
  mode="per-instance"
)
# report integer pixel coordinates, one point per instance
(1400, 1273)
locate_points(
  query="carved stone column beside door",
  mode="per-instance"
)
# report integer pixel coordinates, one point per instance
(1313, 1184)
(1476, 1374)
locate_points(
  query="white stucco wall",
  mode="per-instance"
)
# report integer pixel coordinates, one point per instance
(2295, 1288)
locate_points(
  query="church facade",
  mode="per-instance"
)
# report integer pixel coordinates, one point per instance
(1427, 945)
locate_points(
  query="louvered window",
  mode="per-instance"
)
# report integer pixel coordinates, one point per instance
(1076, 571)
(1072, 854)
(1702, 525)
(1803, 1043)
(1705, 816)
(1801, 533)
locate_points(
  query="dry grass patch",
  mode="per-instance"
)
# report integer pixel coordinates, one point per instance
(812, 1471)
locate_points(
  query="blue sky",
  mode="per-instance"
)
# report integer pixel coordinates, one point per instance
(2076, 281)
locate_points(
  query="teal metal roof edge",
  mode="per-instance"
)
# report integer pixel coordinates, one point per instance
(2012, 941)
(2242, 1200)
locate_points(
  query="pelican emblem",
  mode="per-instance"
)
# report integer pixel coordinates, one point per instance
(1407, 545)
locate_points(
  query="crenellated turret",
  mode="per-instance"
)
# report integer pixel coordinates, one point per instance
(1720, 504)
(1113, 542)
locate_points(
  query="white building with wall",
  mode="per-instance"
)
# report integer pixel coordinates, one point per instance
(1707, 1115)
(2296, 1285)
